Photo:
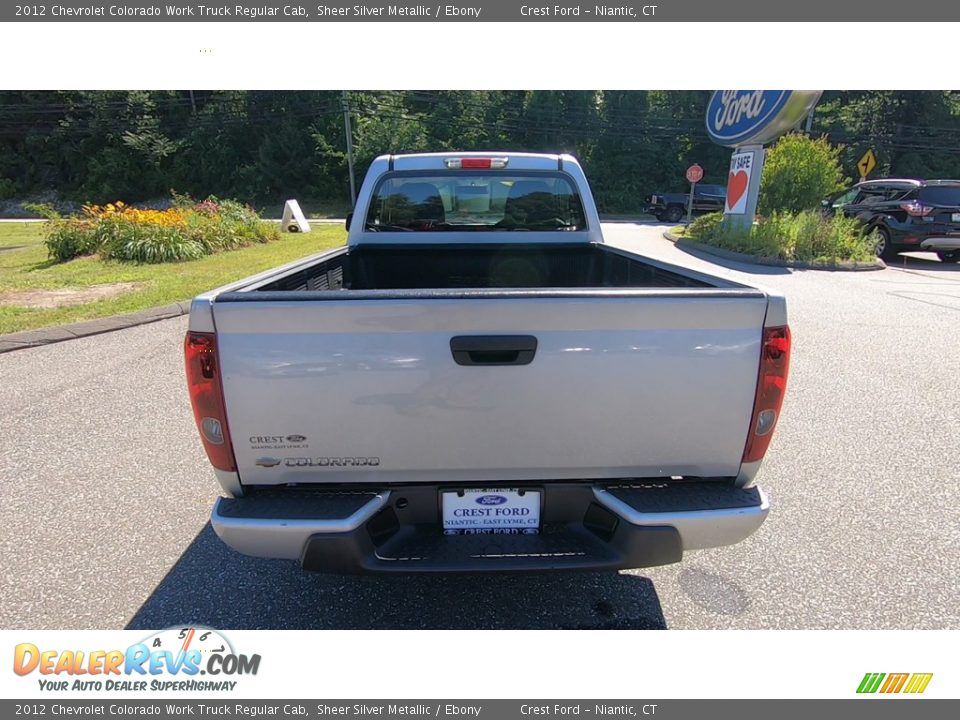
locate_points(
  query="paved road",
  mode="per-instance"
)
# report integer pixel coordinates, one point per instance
(105, 492)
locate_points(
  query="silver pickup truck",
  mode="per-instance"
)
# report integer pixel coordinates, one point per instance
(476, 382)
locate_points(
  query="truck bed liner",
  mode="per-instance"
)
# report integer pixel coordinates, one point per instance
(397, 267)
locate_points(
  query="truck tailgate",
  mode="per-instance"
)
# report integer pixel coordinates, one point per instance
(641, 384)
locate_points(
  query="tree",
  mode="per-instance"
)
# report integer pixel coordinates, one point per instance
(260, 146)
(913, 133)
(798, 173)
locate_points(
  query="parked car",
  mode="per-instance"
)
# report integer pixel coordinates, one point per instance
(672, 207)
(905, 215)
(476, 382)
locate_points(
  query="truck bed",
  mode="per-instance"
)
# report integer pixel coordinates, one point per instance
(457, 266)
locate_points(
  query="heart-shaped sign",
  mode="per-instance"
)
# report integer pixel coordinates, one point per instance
(736, 187)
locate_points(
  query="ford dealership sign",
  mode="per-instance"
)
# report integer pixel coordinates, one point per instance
(755, 117)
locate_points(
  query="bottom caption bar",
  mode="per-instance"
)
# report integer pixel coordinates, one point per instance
(872, 709)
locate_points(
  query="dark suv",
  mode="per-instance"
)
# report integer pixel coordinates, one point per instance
(905, 214)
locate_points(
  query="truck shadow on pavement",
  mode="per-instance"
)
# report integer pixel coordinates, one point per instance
(214, 586)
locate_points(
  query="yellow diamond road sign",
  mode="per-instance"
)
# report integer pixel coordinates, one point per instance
(867, 163)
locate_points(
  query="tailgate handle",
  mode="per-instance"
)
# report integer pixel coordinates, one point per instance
(493, 349)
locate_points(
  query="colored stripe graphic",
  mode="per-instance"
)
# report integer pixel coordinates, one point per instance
(894, 682)
(918, 682)
(870, 682)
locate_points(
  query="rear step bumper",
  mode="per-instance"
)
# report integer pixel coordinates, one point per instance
(584, 527)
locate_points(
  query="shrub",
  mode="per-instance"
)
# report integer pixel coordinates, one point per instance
(44, 210)
(67, 239)
(806, 236)
(186, 231)
(705, 226)
(798, 173)
(757, 242)
(147, 242)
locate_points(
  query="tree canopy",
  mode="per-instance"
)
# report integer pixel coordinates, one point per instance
(264, 146)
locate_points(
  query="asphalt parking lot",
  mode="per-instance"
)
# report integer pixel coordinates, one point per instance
(105, 491)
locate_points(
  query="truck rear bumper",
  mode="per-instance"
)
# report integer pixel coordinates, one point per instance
(584, 527)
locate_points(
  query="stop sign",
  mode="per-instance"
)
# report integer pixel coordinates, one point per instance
(694, 173)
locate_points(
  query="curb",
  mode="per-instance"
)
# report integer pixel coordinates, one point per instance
(843, 265)
(59, 333)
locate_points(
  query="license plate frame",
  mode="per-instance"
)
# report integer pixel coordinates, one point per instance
(491, 511)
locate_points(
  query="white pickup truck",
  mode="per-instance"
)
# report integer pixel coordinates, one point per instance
(476, 382)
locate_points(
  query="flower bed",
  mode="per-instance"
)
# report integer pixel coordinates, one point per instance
(186, 231)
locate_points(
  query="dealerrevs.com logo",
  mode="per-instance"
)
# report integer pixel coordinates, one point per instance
(173, 659)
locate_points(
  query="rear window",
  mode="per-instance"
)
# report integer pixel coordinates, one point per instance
(476, 201)
(940, 195)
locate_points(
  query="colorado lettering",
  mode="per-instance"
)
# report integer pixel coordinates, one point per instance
(333, 462)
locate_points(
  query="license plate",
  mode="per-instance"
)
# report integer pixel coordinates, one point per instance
(497, 511)
(956, 217)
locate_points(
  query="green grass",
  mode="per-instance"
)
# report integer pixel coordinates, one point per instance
(28, 268)
(14, 234)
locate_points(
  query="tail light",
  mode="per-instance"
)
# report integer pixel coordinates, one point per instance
(206, 396)
(771, 384)
(477, 163)
(916, 209)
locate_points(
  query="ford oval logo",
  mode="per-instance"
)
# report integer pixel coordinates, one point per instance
(746, 117)
(296, 438)
(491, 500)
